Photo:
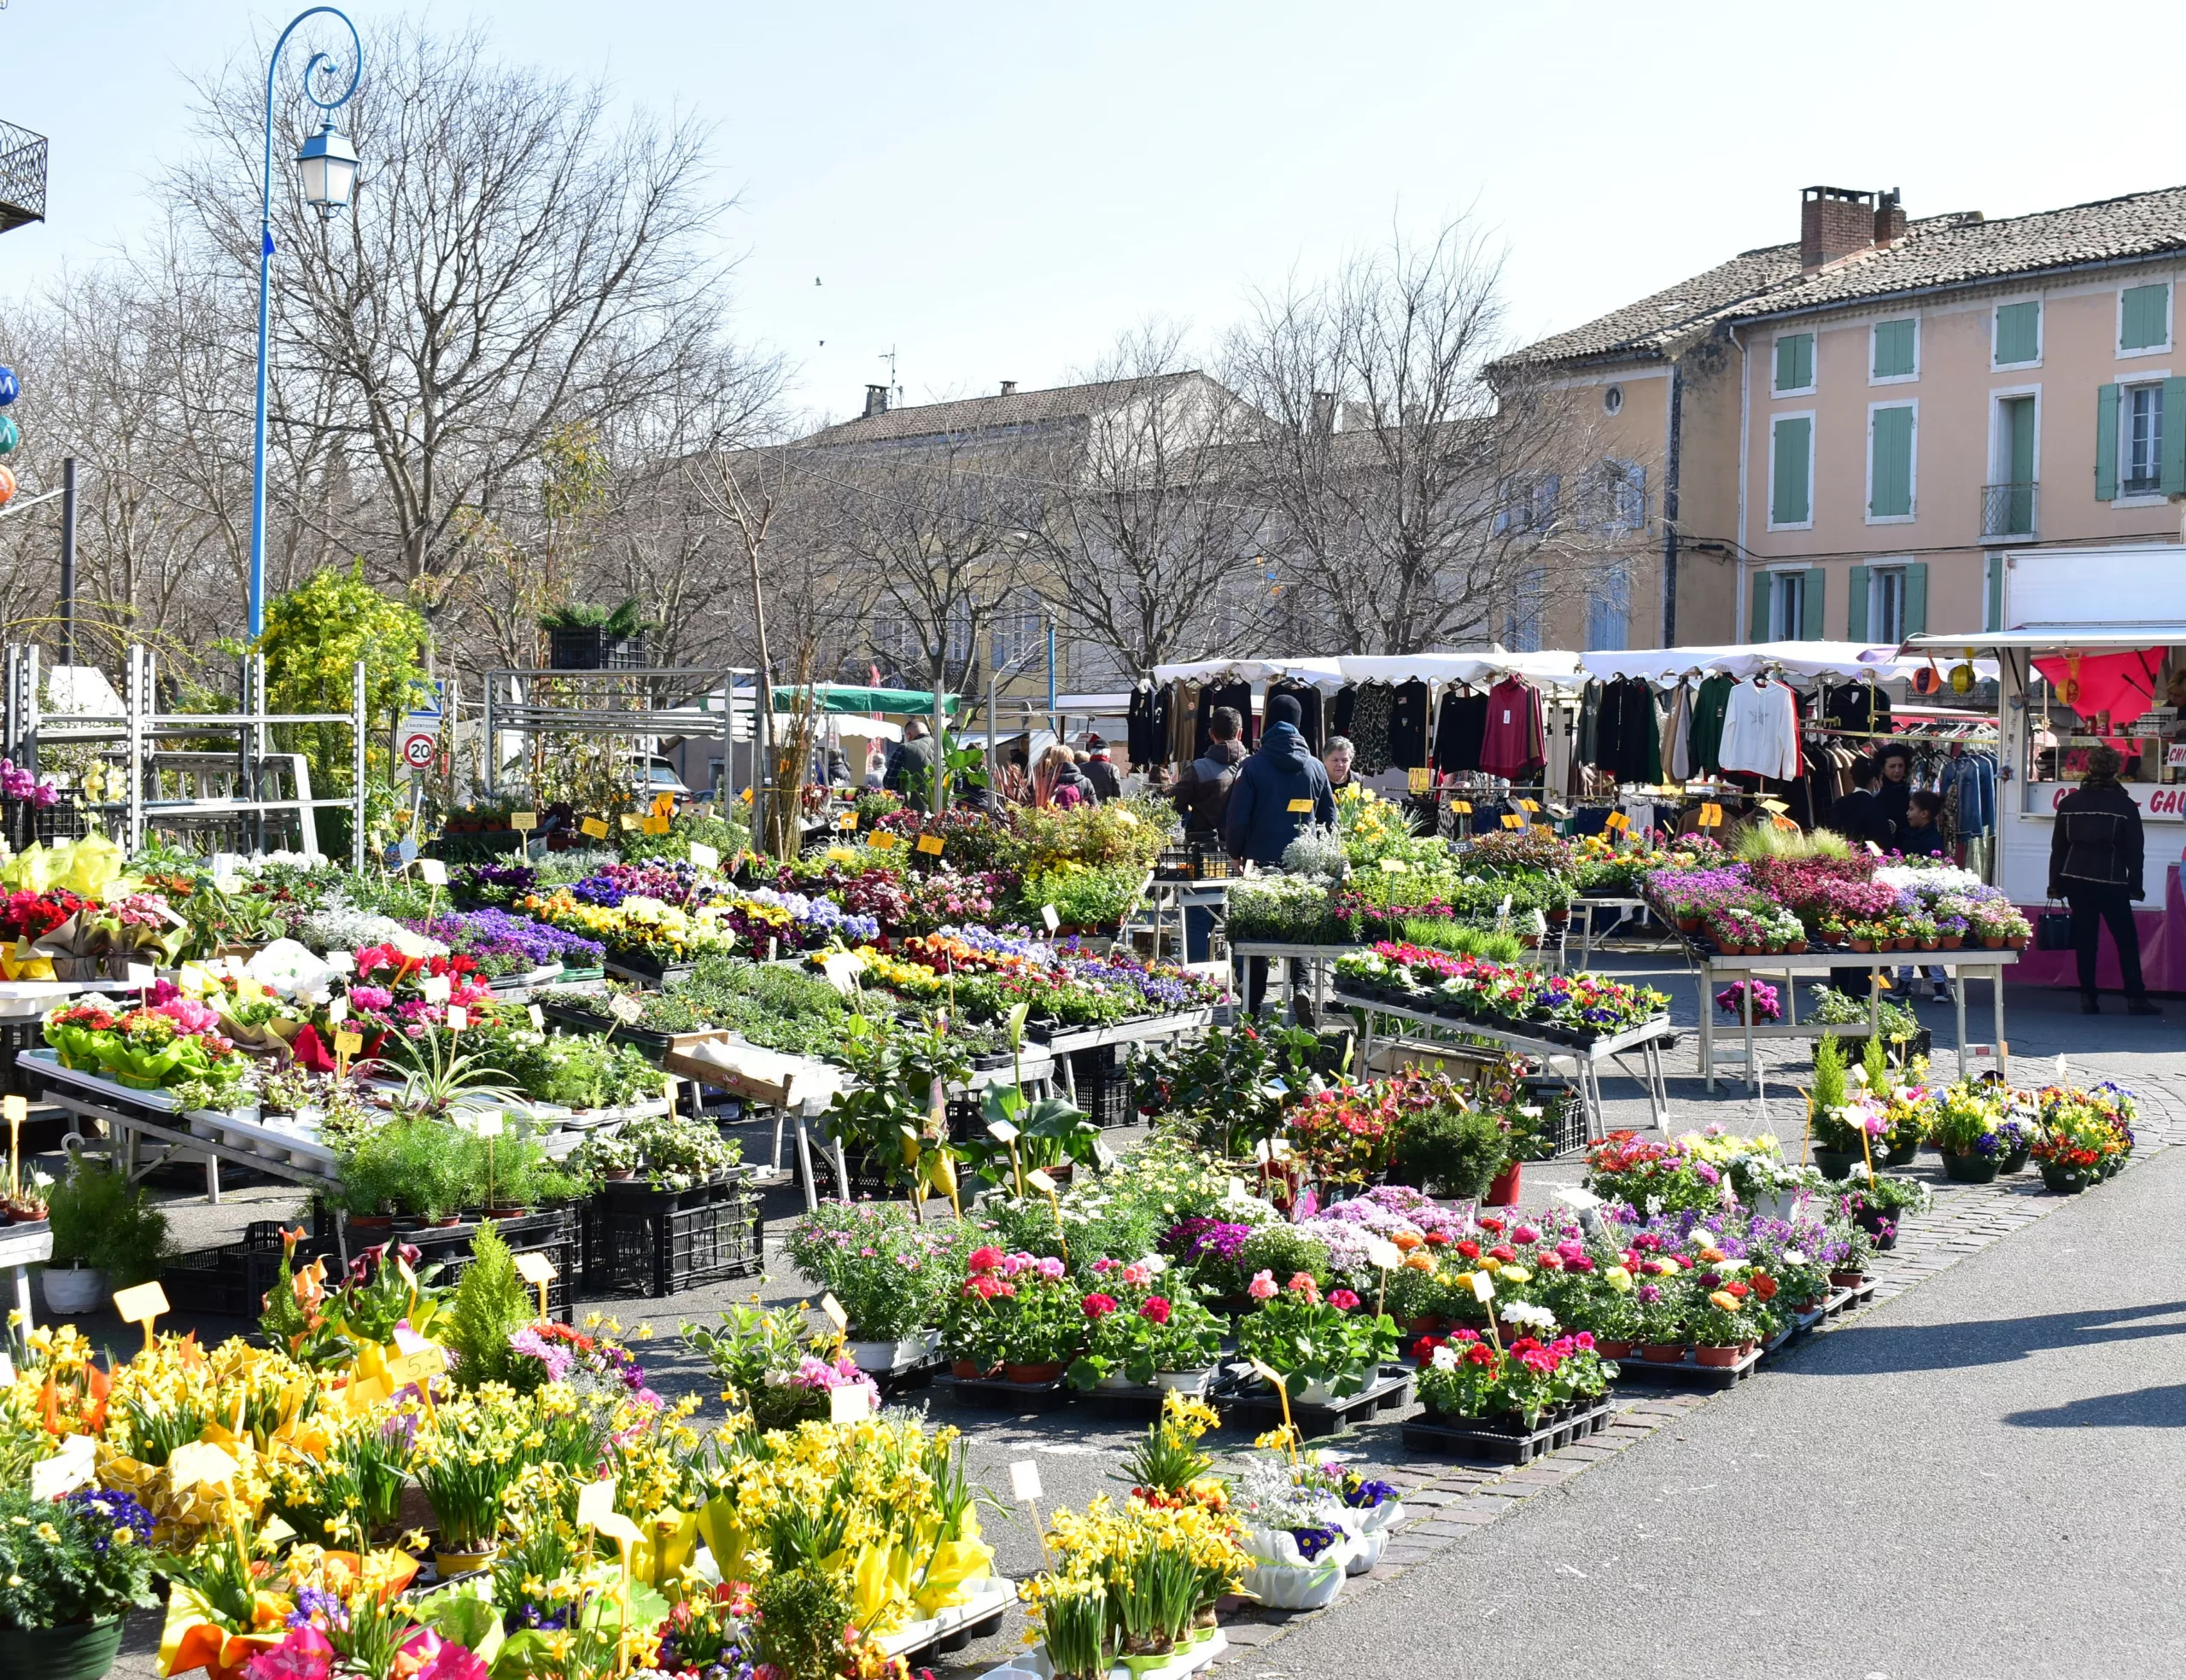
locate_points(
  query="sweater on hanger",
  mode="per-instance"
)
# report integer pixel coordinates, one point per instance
(1183, 723)
(1238, 697)
(1677, 732)
(1340, 706)
(1138, 727)
(1512, 745)
(1460, 723)
(1710, 706)
(1372, 710)
(1761, 730)
(1309, 707)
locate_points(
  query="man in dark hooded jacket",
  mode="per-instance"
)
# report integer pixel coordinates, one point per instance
(1280, 790)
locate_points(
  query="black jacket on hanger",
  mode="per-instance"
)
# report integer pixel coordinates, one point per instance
(1340, 704)
(1236, 696)
(1460, 725)
(1138, 727)
(1408, 723)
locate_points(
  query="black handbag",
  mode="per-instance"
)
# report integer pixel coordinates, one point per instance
(2053, 930)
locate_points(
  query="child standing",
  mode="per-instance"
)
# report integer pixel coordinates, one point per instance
(1921, 838)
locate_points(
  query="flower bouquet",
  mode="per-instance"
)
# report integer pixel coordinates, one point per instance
(1372, 1512)
(1294, 1535)
(1140, 1334)
(1323, 1350)
(1467, 1377)
(174, 1045)
(2085, 1135)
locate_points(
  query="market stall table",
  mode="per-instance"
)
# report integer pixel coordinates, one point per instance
(1709, 966)
(1586, 1061)
(21, 1247)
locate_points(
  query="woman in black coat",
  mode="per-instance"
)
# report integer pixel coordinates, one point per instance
(2094, 866)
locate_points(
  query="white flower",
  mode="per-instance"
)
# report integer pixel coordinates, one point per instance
(1525, 1312)
(1445, 1359)
(1795, 1256)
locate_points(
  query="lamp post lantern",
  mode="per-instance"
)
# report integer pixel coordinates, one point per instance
(328, 166)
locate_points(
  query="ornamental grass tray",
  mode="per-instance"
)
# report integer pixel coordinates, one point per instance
(1252, 1401)
(1688, 1373)
(1446, 1436)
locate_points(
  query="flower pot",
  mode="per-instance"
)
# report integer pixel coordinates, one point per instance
(1863, 944)
(1662, 1353)
(1970, 1169)
(78, 1651)
(1952, 941)
(1901, 1153)
(1847, 1280)
(463, 1563)
(618, 1176)
(965, 1370)
(1994, 942)
(1930, 944)
(1718, 1358)
(879, 1358)
(1795, 947)
(1608, 1350)
(1280, 1579)
(2016, 1161)
(1688, 923)
(74, 1289)
(1504, 1191)
(2018, 941)
(373, 1225)
(1184, 1382)
(1051, 1371)
(1835, 1162)
(2062, 1180)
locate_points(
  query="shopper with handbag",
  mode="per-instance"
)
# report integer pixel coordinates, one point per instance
(2094, 866)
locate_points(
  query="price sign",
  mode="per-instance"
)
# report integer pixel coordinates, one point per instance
(1301, 808)
(14, 1110)
(1711, 816)
(1420, 779)
(1040, 1181)
(1396, 866)
(596, 1511)
(849, 1405)
(1050, 917)
(704, 856)
(663, 804)
(881, 840)
(592, 829)
(141, 1305)
(834, 1309)
(1483, 1287)
(1874, 847)
(629, 822)
(930, 844)
(842, 969)
(140, 975)
(524, 822)
(337, 1011)
(1025, 1481)
(1511, 820)
(432, 872)
(656, 824)
(435, 987)
(348, 1043)
(1775, 805)
(1001, 1131)
(485, 1122)
(1528, 805)
(459, 1017)
(848, 819)
(1383, 1254)
(341, 962)
(538, 1018)
(626, 1009)
(537, 1271)
(1617, 820)
(1462, 807)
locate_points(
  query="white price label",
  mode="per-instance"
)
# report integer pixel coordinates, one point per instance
(833, 1309)
(337, 1011)
(459, 1017)
(141, 974)
(704, 857)
(488, 1122)
(433, 989)
(626, 1009)
(849, 1405)
(1048, 916)
(1025, 1481)
(432, 872)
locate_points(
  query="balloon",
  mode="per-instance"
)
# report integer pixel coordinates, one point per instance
(9, 388)
(6, 486)
(10, 434)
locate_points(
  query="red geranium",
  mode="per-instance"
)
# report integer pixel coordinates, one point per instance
(1155, 1310)
(1099, 1306)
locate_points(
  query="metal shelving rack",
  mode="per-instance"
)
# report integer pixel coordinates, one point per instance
(510, 706)
(134, 736)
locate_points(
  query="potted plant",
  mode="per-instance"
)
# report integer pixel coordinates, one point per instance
(70, 1569)
(891, 1275)
(1323, 1350)
(1373, 1512)
(1721, 1327)
(109, 1233)
(1965, 1127)
(1847, 1270)
(1141, 1335)
(1449, 1149)
(1015, 1312)
(1295, 1536)
(772, 1371)
(467, 1455)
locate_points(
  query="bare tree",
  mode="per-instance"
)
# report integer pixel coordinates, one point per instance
(1416, 502)
(1151, 524)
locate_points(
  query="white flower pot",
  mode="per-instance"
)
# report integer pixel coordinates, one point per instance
(1184, 1382)
(73, 1289)
(1370, 1530)
(1283, 1580)
(1115, 1382)
(879, 1358)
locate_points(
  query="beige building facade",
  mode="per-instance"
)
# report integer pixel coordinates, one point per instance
(1851, 431)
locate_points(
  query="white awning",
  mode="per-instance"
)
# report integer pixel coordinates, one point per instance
(2063, 636)
(1850, 660)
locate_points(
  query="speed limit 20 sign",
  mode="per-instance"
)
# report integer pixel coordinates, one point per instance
(421, 739)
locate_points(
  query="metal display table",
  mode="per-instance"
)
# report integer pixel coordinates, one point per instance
(1708, 966)
(22, 1247)
(1163, 899)
(1585, 1062)
(1625, 907)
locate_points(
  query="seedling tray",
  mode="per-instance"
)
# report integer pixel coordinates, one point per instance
(1478, 1438)
(1688, 1372)
(992, 1394)
(1253, 1402)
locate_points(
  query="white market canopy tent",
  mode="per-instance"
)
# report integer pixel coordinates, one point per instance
(1850, 660)
(1546, 670)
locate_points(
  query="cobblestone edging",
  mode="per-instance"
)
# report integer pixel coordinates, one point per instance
(1445, 1503)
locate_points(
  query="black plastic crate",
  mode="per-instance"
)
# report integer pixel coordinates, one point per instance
(663, 1250)
(1103, 1085)
(590, 648)
(233, 1279)
(17, 1034)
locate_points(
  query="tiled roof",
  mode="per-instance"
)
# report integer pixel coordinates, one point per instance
(989, 414)
(1952, 250)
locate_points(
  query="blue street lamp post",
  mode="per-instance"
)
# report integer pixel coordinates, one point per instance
(328, 165)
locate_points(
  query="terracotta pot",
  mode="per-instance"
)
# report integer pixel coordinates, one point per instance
(1504, 1191)
(1688, 923)
(1906, 942)
(1994, 942)
(965, 1370)
(1847, 1280)
(624, 1174)
(1720, 1358)
(1931, 944)
(1863, 944)
(1047, 1372)
(1797, 948)
(1614, 1350)
(372, 1224)
(1952, 941)
(1662, 1353)
(2018, 942)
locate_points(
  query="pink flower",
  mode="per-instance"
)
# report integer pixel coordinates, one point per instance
(1342, 1299)
(1301, 1283)
(1137, 1275)
(305, 1654)
(1097, 1306)
(1103, 1266)
(443, 1659)
(985, 1259)
(1526, 1234)
(1049, 1267)
(1262, 1287)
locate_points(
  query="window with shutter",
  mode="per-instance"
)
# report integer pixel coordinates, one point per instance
(1789, 499)
(1794, 363)
(1896, 349)
(1855, 605)
(1812, 588)
(2144, 318)
(2018, 334)
(1913, 609)
(2107, 405)
(2141, 472)
(1890, 463)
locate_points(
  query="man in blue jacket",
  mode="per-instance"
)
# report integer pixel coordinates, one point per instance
(1280, 790)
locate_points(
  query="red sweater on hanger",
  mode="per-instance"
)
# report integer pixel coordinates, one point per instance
(1514, 745)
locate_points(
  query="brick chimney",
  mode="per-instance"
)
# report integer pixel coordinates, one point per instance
(1889, 218)
(1834, 222)
(876, 400)
(1010, 388)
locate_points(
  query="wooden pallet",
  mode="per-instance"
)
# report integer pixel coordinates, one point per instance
(1258, 1405)
(992, 1394)
(1688, 1373)
(1459, 1438)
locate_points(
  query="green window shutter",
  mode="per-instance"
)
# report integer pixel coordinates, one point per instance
(1758, 625)
(1810, 625)
(2174, 437)
(1856, 606)
(1789, 503)
(2144, 318)
(1916, 597)
(1890, 475)
(1795, 362)
(2106, 443)
(1896, 348)
(2019, 333)
(1995, 594)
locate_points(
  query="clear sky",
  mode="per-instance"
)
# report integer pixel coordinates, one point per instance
(996, 191)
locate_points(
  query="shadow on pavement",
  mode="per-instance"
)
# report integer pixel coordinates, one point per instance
(2143, 1408)
(1860, 1350)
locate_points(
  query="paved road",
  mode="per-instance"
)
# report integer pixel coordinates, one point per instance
(1982, 1478)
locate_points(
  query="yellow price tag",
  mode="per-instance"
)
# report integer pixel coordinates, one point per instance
(656, 824)
(1420, 779)
(1617, 820)
(1711, 816)
(930, 844)
(629, 822)
(535, 1268)
(880, 840)
(1512, 821)
(1776, 805)
(135, 1306)
(1528, 805)
(1462, 807)
(348, 1043)
(594, 828)
(848, 819)
(524, 821)
(834, 1309)
(663, 804)
(1301, 808)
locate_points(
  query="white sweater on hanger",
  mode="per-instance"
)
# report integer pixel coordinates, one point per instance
(1761, 730)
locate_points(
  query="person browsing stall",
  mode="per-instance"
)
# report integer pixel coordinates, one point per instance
(2095, 852)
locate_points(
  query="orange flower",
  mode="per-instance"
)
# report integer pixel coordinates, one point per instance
(1407, 1241)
